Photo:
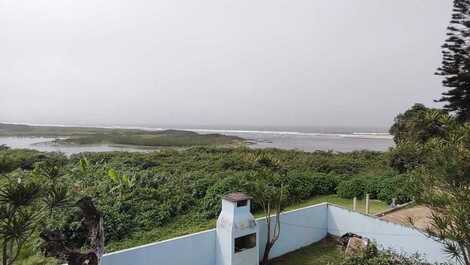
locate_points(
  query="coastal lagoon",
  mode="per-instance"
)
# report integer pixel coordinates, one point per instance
(46, 144)
(288, 140)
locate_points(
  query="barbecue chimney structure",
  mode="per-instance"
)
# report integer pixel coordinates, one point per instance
(237, 232)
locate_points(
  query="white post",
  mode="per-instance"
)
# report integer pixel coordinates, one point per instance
(367, 203)
(354, 203)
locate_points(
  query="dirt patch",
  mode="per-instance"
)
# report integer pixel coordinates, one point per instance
(419, 214)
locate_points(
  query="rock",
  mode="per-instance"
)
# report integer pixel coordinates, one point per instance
(344, 239)
(356, 246)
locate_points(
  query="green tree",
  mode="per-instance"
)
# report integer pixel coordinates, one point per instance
(445, 184)
(28, 201)
(19, 216)
(419, 123)
(456, 62)
(269, 192)
(406, 156)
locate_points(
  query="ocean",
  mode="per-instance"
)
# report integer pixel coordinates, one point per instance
(309, 139)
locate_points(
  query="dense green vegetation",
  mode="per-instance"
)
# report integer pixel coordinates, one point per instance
(151, 196)
(87, 136)
(438, 162)
(158, 195)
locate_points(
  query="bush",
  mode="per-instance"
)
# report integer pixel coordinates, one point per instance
(299, 186)
(349, 189)
(373, 186)
(324, 184)
(304, 185)
(406, 156)
(383, 188)
(235, 183)
(373, 256)
(399, 187)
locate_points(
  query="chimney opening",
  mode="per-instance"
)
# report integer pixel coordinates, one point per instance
(245, 242)
(242, 203)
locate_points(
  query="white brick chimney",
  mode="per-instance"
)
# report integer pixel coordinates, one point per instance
(237, 233)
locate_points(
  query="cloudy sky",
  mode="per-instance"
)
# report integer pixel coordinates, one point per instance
(218, 62)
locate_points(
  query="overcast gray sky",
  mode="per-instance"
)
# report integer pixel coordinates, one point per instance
(218, 62)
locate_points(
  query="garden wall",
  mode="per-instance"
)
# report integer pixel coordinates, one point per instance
(387, 235)
(194, 249)
(199, 248)
(299, 228)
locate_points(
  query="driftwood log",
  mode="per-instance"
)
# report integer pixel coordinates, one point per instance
(56, 245)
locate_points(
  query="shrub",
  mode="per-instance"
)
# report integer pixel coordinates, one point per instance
(373, 256)
(349, 189)
(304, 185)
(299, 186)
(373, 186)
(324, 184)
(235, 183)
(384, 188)
(398, 187)
(406, 156)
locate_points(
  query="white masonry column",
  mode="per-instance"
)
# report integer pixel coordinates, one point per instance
(237, 233)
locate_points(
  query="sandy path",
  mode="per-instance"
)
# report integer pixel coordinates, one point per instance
(419, 214)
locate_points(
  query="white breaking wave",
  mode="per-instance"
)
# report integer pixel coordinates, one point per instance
(363, 135)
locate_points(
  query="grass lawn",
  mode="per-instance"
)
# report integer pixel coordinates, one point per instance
(376, 206)
(325, 252)
(184, 225)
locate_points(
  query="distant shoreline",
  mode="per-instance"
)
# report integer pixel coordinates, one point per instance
(366, 135)
(72, 135)
(104, 138)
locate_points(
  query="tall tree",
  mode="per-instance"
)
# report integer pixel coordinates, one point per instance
(456, 62)
(269, 193)
(444, 178)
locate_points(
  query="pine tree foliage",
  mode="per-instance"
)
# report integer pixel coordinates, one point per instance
(456, 62)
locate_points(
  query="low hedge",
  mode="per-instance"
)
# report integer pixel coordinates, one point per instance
(384, 188)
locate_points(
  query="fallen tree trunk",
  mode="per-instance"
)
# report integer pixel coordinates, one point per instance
(56, 245)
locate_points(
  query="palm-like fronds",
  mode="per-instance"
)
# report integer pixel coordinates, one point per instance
(57, 197)
(18, 195)
(19, 226)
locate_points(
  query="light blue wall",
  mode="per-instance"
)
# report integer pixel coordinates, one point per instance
(299, 228)
(194, 249)
(387, 235)
(199, 248)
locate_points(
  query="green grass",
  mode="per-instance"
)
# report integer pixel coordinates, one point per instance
(163, 139)
(188, 224)
(325, 252)
(376, 206)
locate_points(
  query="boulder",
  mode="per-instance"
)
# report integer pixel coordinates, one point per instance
(356, 246)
